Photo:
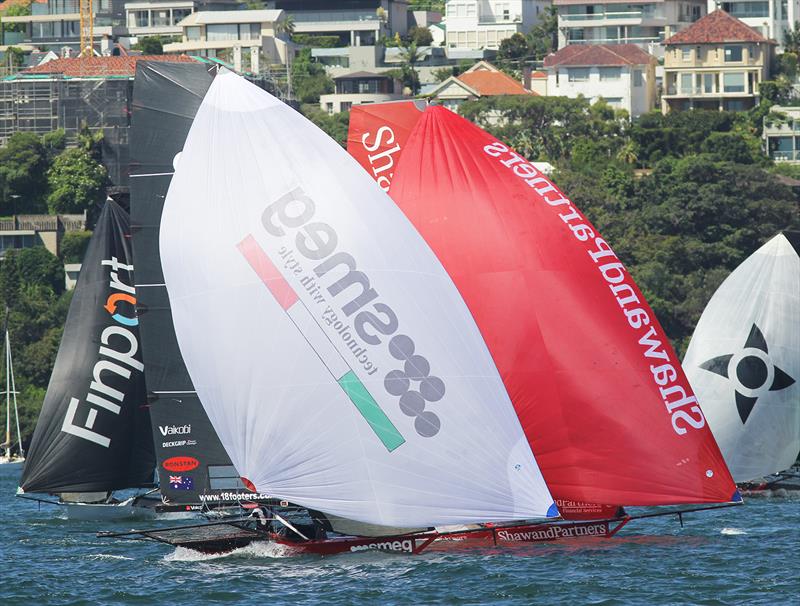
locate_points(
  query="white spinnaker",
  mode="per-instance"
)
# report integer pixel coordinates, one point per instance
(261, 191)
(728, 361)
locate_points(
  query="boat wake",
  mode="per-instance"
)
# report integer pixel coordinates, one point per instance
(108, 556)
(732, 531)
(257, 549)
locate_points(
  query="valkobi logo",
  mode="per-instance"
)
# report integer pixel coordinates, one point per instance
(116, 356)
(341, 301)
(175, 430)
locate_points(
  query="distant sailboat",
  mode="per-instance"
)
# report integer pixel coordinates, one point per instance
(744, 364)
(13, 454)
(93, 435)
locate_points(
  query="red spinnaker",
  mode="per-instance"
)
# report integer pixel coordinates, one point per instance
(598, 389)
(378, 133)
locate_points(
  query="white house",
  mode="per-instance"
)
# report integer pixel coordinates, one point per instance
(770, 19)
(359, 88)
(622, 74)
(484, 24)
(252, 32)
(645, 23)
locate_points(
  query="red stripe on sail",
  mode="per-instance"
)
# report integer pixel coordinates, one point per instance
(558, 312)
(266, 270)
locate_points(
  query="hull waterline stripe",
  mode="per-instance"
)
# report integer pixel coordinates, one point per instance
(315, 336)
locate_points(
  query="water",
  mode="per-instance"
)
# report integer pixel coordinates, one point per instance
(744, 555)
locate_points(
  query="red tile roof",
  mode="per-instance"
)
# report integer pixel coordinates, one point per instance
(488, 83)
(599, 54)
(716, 27)
(101, 66)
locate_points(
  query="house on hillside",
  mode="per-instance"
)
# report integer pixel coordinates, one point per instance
(644, 23)
(360, 88)
(770, 19)
(717, 63)
(622, 74)
(481, 80)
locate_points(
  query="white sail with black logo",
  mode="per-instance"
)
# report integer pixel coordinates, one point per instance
(744, 361)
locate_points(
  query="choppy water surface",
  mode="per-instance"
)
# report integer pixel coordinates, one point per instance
(743, 555)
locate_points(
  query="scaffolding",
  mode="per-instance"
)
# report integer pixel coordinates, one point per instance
(42, 103)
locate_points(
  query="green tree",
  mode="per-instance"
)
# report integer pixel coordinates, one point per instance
(54, 143)
(16, 10)
(791, 43)
(309, 79)
(335, 126)
(410, 55)
(39, 267)
(421, 36)
(150, 45)
(285, 26)
(543, 37)
(77, 181)
(74, 245)
(23, 161)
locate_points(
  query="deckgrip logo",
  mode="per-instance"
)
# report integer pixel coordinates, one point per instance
(373, 320)
(553, 532)
(666, 374)
(406, 546)
(385, 156)
(119, 358)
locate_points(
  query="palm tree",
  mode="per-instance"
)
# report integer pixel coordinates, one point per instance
(285, 26)
(410, 55)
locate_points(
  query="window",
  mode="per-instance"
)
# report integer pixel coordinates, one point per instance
(708, 82)
(219, 32)
(610, 73)
(733, 83)
(686, 54)
(160, 18)
(578, 74)
(329, 108)
(686, 83)
(638, 79)
(345, 106)
(178, 14)
(733, 54)
(138, 19)
(193, 33)
(615, 102)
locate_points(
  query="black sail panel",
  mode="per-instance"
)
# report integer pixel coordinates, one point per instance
(93, 431)
(193, 466)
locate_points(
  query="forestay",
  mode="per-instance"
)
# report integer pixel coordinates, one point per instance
(744, 362)
(333, 354)
(598, 389)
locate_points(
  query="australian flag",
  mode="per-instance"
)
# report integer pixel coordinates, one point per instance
(181, 482)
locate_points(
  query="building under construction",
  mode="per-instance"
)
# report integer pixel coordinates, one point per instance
(83, 92)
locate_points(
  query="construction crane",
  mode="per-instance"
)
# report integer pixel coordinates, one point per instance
(87, 28)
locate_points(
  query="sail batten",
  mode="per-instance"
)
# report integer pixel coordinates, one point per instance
(338, 363)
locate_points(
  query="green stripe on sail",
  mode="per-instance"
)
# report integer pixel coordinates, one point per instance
(372, 413)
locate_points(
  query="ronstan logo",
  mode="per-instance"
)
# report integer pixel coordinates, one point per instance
(180, 464)
(751, 371)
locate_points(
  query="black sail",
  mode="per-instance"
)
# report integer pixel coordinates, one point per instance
(193, 466)
(93, 433)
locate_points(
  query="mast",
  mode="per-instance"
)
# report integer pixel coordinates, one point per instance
(14, 394)
(8, 393)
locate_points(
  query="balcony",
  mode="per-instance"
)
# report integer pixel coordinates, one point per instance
(632, 17)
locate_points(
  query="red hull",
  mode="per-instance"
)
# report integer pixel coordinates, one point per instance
(435, 541)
